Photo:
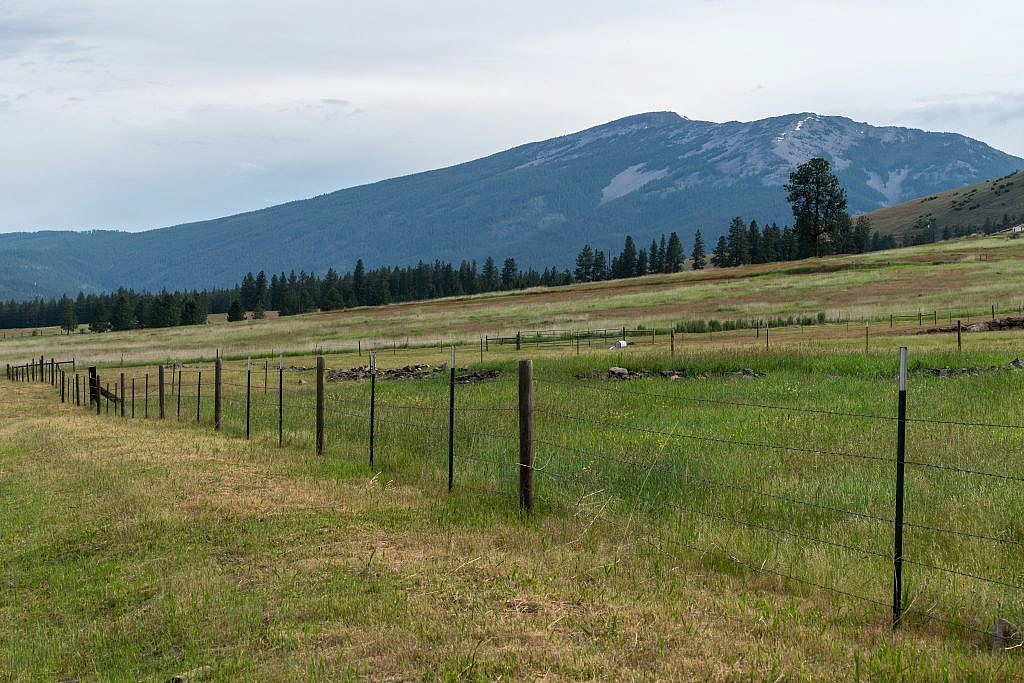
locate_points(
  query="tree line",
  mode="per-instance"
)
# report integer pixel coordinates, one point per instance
(821, 226)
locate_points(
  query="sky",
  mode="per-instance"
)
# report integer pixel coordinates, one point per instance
(137, 114)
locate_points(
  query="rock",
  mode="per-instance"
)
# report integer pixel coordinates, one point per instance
(478, 376)
(196, 674)
(747, 372)
(618, 373)
(1004, 635)
(302, 381)
(1017, 363)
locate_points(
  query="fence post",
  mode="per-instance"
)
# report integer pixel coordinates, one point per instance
(107, 402)
(248, 396)
(519, 340)
(959, 340)
(672, 342)
(133, 397)
(901, 442)
(266, 374)
(526, 451)
(993, 311)
(280, 403)
(451, 421)
(319, 405)
(160, 389)
(177, 413)
(766, 326)
(218, 383)
(42, 378)
(199, 393)
(865, 337)
(63, 384)
(145, 401)
(122, 394)
(373, 402)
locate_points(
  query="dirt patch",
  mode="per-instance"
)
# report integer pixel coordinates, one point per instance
(981, 326)
(617, 373)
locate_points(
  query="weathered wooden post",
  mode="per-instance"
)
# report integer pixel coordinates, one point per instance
(526, 447)
(959, 340)
(218, 390)
(519, 340)
(320, 365)
(672, 341)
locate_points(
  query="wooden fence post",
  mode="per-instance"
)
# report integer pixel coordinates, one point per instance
(218, 379)
(160, 390)
(526, 447)
(959, 340)
(320, 365)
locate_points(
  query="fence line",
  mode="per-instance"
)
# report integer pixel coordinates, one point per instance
(652, 487)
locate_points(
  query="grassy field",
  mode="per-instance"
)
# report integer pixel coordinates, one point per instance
(734, 522)
(959, 277)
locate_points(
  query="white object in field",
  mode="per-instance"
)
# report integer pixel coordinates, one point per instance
(621, 344)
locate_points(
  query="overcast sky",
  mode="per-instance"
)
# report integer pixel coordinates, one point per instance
(133, 114)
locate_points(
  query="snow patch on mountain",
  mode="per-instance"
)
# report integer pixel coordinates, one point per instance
(892, 188)
(630, 180)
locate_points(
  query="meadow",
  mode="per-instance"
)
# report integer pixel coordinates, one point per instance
(735, 521)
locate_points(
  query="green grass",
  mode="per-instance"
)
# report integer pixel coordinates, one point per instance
(619, 492)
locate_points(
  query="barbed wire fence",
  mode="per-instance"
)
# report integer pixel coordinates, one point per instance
(732, 484)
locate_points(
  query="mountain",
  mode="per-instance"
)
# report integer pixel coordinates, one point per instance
(992, 204)
(539, 203)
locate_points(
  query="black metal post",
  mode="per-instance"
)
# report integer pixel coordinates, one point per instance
(178, 415)
(199, 393)
(280, 403)
(901, 443)
(248, 397)
(451, 420)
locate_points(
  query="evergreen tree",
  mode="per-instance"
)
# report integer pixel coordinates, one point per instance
(247, 292)
(862, 234)
(601, 271)
(755, 240)
(698, 257)
(490, 275)
(641, 263)
(720, 257)
(657, 262)
(509, 273)
(68, 317)
(585, 264)
(99, 322)
(626, 263)
(123, 316)
(817, 201)
(262, 295)
(358, 283)
(674, 255)
(236, 312)
(738, 245)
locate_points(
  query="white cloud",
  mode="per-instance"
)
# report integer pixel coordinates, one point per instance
(136, 113)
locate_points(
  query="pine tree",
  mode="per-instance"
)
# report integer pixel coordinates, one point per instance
(358, 283)
(817, 200)
(122, 318)
(627, 260)
(698, 257)
(99, 322)
(236, 313)
(490, 275)
(657, 261)
(247, 292)
(68, 318)
(738, 244)
(585, 264)
(600, 266)
(720, 257)
(674, 255)
(641, 263)
(756, 242)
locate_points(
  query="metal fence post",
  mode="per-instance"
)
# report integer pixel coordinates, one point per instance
(526, 447)
(280, 403)
(901, 443)
(199, 393)
(248, 397)
(320, 405)
(373, 402)
(160, 389)
(122, 395)
(451, 423)
(218, 390)
(177, 414)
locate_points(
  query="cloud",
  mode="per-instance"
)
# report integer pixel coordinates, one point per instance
(147, 114)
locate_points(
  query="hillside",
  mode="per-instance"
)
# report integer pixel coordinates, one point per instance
(538, 203)
(993, 202)
(958, 275)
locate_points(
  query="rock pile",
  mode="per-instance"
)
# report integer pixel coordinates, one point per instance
(478, 376)
(624, 374)
(981, 326)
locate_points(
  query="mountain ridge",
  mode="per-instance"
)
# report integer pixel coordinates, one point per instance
(539, 202)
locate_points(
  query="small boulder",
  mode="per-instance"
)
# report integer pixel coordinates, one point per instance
(618, 373)
(1005, 635)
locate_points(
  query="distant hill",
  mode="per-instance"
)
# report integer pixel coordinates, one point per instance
(993, 203)
(539, 203)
